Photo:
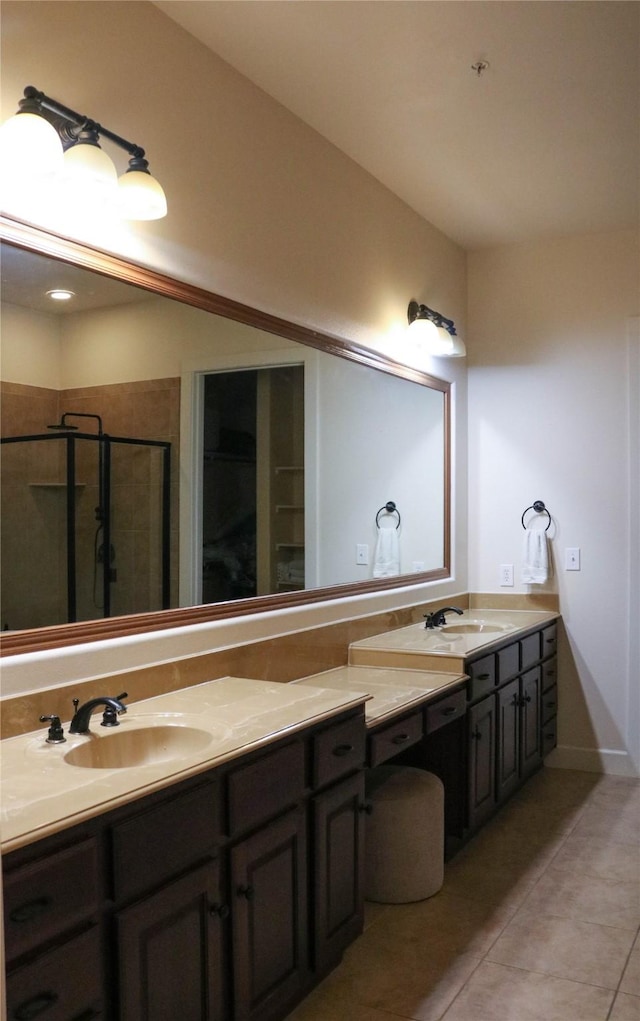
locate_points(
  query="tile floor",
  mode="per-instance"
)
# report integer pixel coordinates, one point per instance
(537, 920)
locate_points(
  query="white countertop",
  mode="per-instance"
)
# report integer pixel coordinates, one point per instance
(41, 794)
(417, 647)
(393, 690)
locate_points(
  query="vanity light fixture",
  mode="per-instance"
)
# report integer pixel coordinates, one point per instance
(435, 332)
(45, 138)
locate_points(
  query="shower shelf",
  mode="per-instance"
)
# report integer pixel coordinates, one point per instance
(55, 485)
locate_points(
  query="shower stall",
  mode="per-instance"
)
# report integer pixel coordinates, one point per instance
(85, 525)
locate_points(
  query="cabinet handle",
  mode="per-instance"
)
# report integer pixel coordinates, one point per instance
(450, 710)
(550, 705)
(483, 677)
(515, 700)
(246, 891)
(366, 807)
(32, 909)
(548, 737)
(549, 641)
(476, 735)
(35, 1006)
(221, 910)
(400, 738)
(342, 749)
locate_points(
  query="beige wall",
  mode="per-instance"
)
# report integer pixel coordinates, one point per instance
(553, 388)
(261, 209)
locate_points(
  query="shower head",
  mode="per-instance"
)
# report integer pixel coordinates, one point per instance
(63, 424)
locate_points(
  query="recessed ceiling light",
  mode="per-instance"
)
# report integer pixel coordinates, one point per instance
(60, 294)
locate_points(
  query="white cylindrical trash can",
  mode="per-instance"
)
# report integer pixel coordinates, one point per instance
(404, 856)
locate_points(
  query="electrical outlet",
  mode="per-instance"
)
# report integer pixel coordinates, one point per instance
(418, 565)
(572, 558)
(362, 553)
(506, 575)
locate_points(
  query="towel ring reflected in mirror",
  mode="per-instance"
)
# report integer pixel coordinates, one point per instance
(539, 508)
(389, 508)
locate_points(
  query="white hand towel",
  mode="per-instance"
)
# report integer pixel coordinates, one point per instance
(387, 557)
(535, 557)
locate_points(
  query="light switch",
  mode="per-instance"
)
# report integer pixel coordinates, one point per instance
(572, 558)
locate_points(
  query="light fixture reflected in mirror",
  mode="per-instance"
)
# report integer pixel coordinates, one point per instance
(32, 143)
(434, 332)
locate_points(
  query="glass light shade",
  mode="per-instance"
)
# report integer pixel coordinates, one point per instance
(141, 197)
(29, 147)
(458, 348)
(425, 333)
(88, 167)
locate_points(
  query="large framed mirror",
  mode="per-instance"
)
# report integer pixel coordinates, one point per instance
(302, 467)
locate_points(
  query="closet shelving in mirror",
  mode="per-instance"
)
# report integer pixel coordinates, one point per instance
(35, 240)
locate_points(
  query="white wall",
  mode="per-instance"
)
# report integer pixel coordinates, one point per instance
(31, 347)
(550, 402)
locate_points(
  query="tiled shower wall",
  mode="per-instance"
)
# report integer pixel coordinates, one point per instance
(33, 506)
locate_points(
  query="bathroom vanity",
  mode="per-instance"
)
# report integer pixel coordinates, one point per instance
(206, 859)
(225, 894)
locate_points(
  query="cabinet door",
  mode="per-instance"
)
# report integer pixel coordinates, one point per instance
(339, 828)
(269, 918)
(530, 752)
(508, 762)
(482, 760)
(170, 952)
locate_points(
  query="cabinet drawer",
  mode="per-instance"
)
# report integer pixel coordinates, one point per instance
(508, 662)
(549, 640)
(482, 676)
(549, 736)
(338, 750)
(549, 673)
(265, 787)
(549, 704)
(529, 650)
(64, 983)
(48, 897)
(444, 711)
(163, 841)
(388, 741)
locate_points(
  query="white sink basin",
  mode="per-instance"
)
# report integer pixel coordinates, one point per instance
(475, 627)
(143, 746)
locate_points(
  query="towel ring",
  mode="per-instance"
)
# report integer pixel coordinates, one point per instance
(539, 507)
(390, 508)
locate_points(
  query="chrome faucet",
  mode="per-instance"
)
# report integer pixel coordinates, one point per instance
(437, 618)
(113, 707)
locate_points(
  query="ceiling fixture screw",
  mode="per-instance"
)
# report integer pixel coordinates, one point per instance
(480, 66)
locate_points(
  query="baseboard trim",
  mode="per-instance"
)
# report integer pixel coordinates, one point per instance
(592, 760)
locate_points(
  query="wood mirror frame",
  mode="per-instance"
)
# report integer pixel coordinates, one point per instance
(41, 242)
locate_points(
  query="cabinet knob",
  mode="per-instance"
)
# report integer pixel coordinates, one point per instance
(245, 891)
(400, 738)
(450, 710)
(35, 1006)
(483, 677)
(32, 909)
(476, 734)
(366, 806)
(341, 750)
(221, 910)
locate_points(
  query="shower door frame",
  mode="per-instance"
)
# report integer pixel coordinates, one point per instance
(106, 441)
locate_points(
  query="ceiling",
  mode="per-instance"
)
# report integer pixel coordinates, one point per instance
(545, 142)
(26, 278)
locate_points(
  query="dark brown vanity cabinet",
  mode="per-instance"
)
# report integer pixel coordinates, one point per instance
(513, 694)
(223, 898)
